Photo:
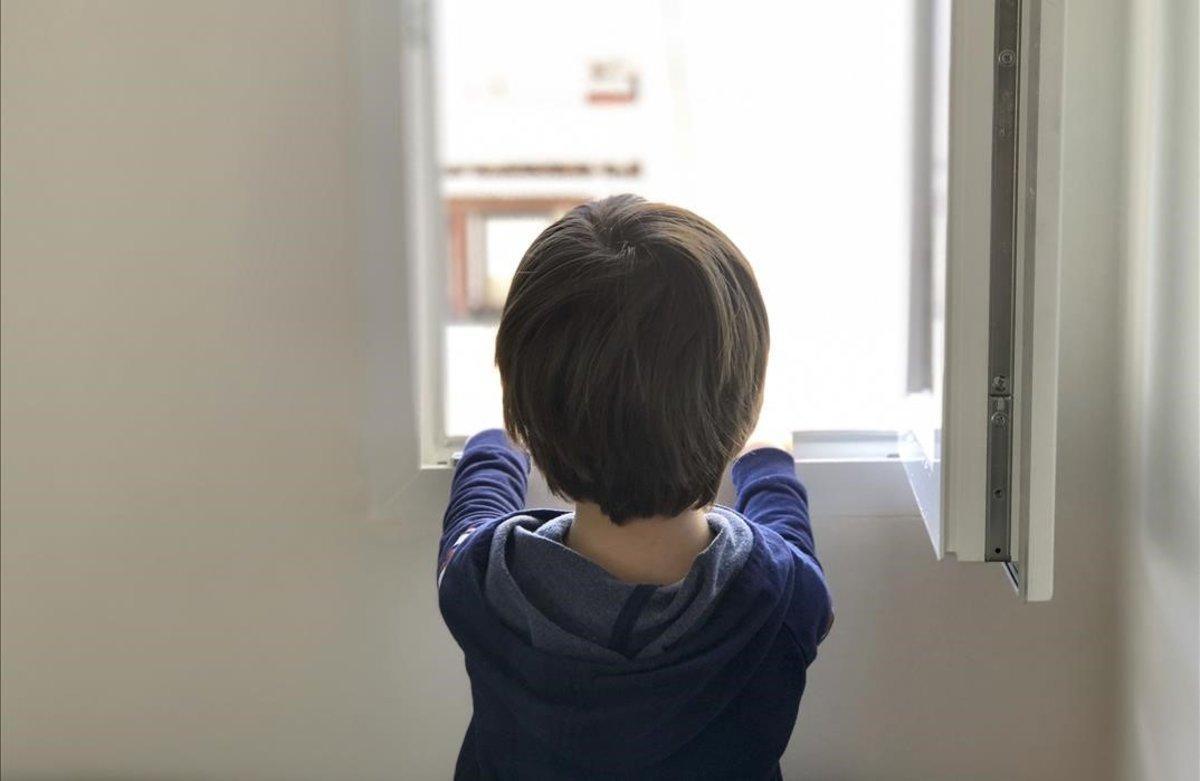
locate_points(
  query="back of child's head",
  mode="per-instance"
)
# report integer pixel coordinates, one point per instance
(632, 352)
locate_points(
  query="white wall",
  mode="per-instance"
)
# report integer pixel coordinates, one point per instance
(187, 587)
(1159, 569)
(191, 587)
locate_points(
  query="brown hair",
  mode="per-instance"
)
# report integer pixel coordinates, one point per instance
(632, 352)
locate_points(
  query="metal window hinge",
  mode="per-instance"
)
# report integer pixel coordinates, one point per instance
(1002, 278)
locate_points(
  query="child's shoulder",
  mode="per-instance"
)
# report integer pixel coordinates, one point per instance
(478, 534)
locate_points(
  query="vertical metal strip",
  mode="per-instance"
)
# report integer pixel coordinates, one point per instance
(999, 465)
(1002, 264)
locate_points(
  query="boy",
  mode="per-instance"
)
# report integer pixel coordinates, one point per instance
(649, 634)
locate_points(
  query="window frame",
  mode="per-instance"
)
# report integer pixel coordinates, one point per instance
(951, 476)
(849, 473)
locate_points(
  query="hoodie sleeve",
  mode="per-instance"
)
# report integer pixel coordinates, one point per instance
(770, 495)
(489, 482)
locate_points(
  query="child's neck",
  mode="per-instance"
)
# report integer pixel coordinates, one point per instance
(657, 550)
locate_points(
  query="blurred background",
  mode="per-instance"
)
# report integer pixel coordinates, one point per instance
(542, 105)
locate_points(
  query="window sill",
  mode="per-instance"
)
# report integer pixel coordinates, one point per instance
(857, 488)
(853, 474)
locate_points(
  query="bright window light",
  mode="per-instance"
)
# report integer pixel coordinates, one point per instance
(786, 125)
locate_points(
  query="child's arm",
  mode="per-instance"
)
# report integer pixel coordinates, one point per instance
(489, 482)
(770, 495)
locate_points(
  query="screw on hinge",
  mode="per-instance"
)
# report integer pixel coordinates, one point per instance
(999, 416)
(1007, 58)
(999, 384)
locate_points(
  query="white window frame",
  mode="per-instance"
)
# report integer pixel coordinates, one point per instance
(861, 474)
(950, 474)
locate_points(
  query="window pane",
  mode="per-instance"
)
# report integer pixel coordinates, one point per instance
(505, 241)
(472, 382)
(791, 136)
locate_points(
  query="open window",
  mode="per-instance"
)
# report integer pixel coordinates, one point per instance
(893, 180)
(980, 443)
(630, 96)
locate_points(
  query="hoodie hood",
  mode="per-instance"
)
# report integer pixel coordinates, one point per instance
(568, 605)
(544, 664)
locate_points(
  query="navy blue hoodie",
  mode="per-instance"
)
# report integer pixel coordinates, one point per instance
(717, 702)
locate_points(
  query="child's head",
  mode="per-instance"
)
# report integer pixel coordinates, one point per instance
(632, 352)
